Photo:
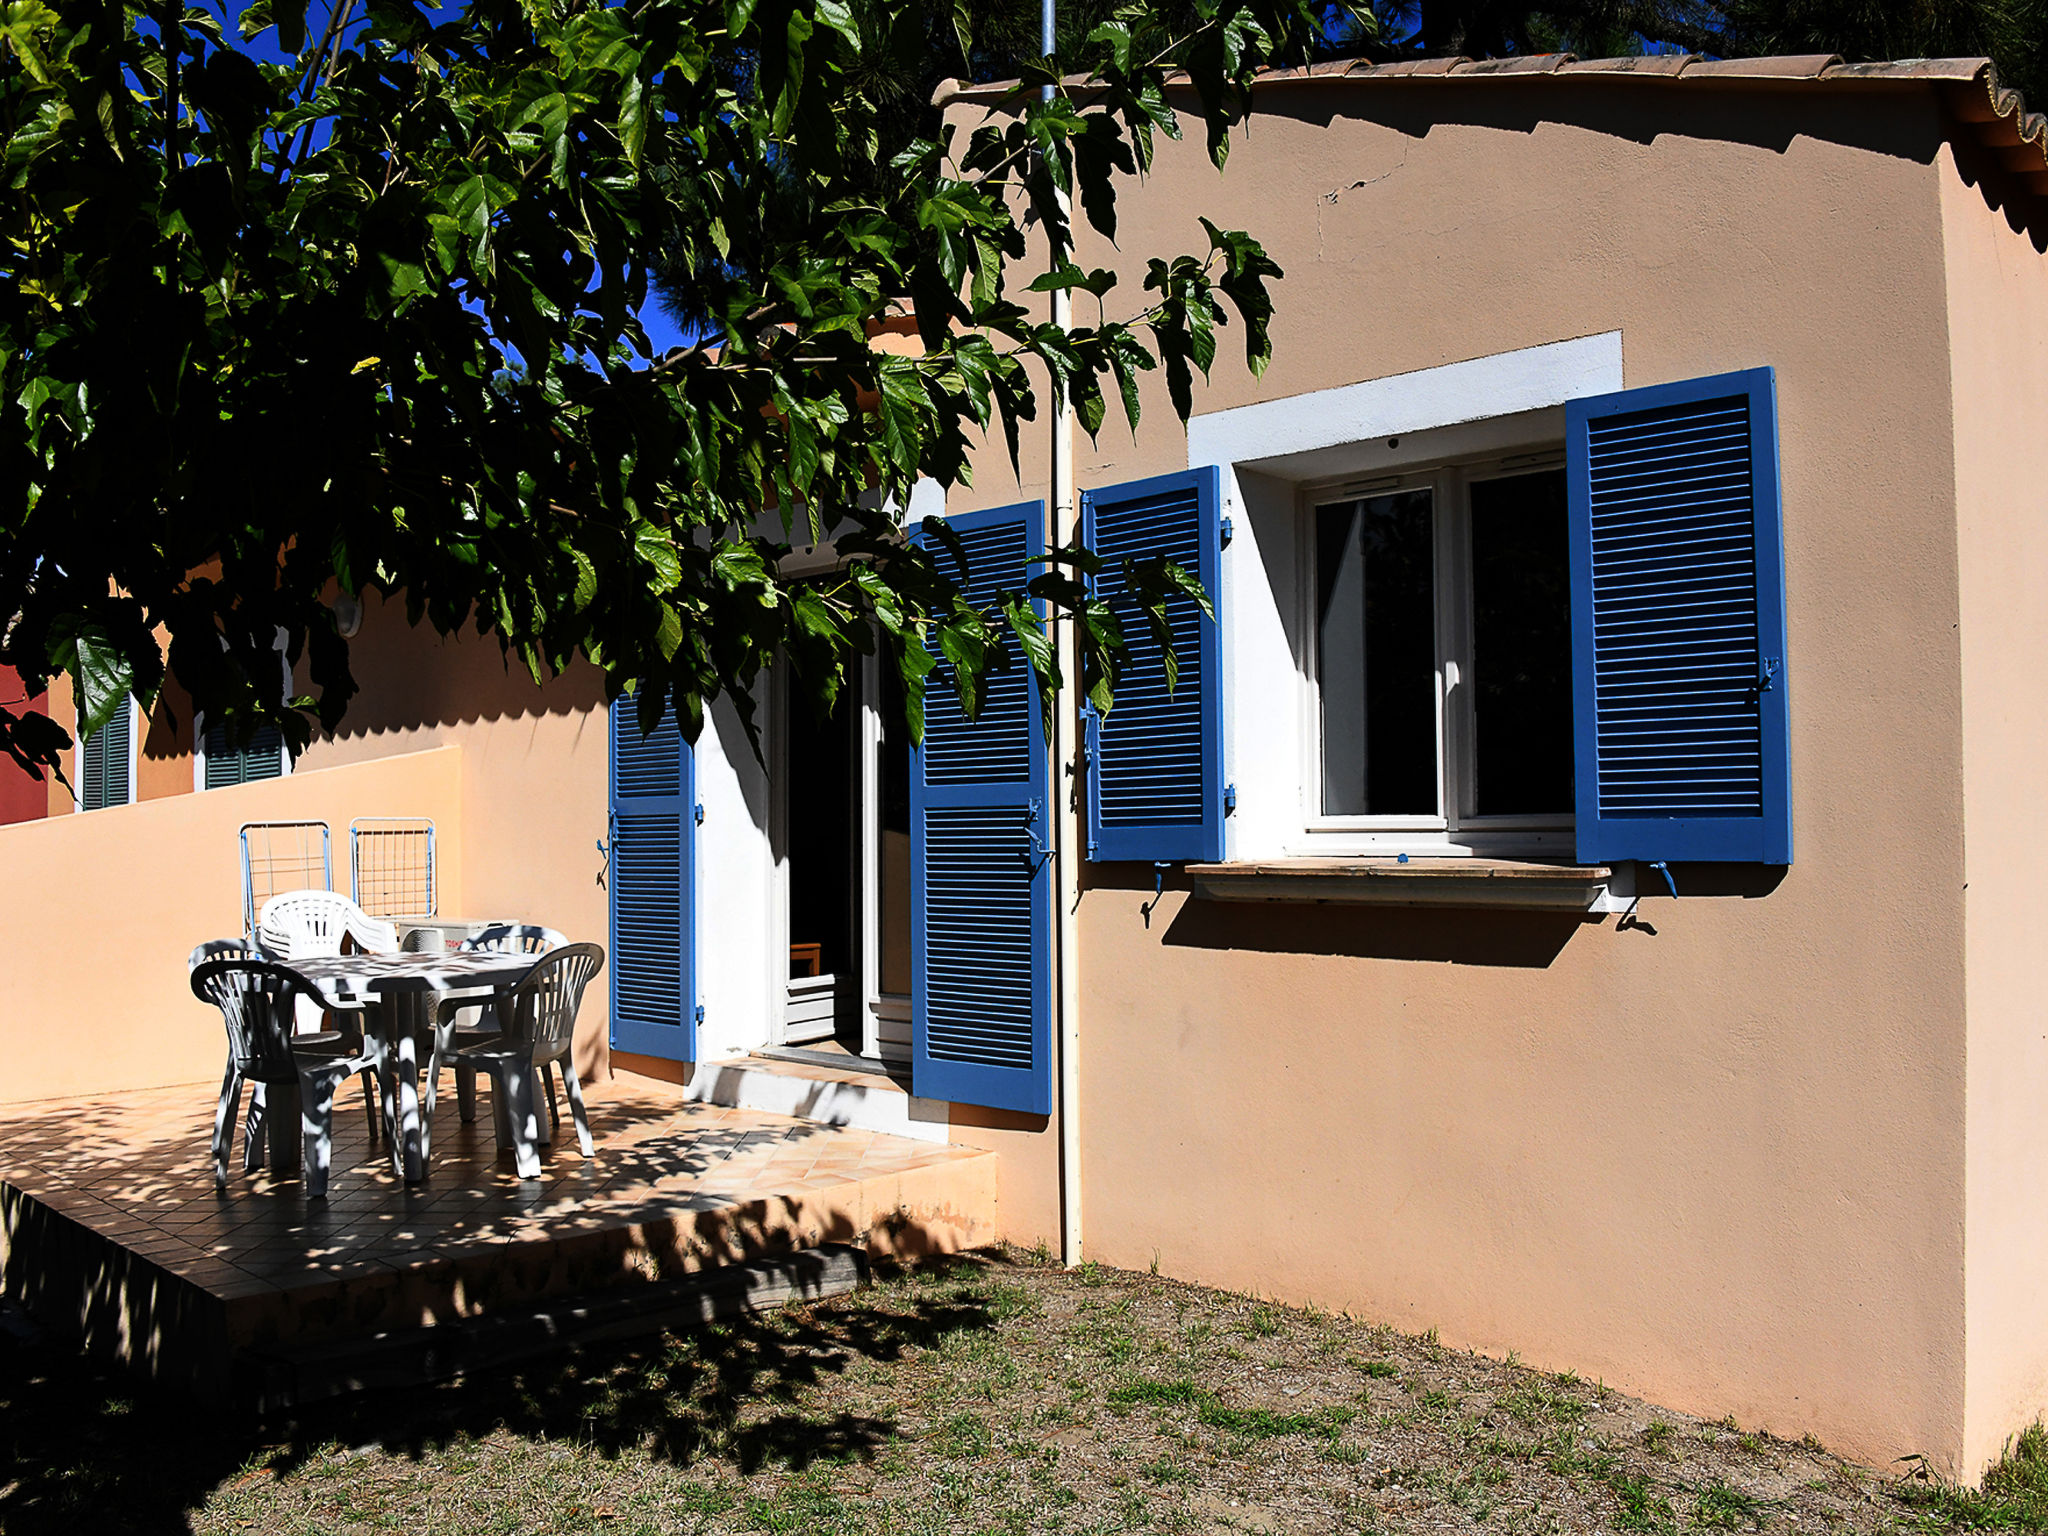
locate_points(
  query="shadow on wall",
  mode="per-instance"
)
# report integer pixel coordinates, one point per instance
(1446, 935)
(1449, 935)
(1625, 108)
(412, 678)
(1641, 112)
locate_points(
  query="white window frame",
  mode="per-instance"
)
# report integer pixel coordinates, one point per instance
(137, 723)
(1496, 406)
(1456, 826)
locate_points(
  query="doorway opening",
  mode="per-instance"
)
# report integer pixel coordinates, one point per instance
(843, 813)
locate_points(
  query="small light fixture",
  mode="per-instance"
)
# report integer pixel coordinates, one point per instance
(348, 616)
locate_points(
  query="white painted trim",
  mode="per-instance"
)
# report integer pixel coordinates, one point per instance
(1266, 452)
(1501, 385)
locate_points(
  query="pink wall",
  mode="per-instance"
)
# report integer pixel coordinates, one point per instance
(22, 798)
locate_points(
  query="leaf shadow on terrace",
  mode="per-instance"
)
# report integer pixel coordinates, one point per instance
(82, 1442)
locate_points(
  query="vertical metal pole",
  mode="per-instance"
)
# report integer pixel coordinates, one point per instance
(1067, 764)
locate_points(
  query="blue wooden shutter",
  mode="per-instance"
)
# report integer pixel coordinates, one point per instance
(1155, 761)
(981, 877)
(1681, 721)
(652, 886)
(263, 758)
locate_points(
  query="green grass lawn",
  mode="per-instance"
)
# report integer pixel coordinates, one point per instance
(994, 1395)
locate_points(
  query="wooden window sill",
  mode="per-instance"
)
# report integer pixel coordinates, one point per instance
(1420, 882)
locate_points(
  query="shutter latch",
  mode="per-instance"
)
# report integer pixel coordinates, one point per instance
(1041, 850)
(1767, 673)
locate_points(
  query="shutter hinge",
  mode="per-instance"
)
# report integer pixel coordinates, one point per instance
(1228, 532)
(700, 815)
(700, 1013)
(1229, 799)
(1767, 673)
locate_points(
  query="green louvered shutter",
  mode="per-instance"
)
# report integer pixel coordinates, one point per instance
(263, 758)
(104, 769)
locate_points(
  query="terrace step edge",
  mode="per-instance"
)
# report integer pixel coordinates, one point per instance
(281, 1377)
(856, 1100)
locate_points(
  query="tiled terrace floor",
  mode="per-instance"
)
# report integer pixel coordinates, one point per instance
(109, 1221)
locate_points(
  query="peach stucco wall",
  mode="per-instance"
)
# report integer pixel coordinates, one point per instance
(1998, 319)
(100, 910)
(533, 764)
(1720, 1159)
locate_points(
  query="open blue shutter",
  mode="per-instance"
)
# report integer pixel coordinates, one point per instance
(981, 878)
(1681, 718)
(1155, 761)
(652, 887)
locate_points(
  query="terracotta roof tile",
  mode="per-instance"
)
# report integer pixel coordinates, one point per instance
(1638, 64)
(1790, 66)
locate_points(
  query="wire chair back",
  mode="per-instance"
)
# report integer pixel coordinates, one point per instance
(541, 1006)
(391, 865)
(282, 856)
(256, 1000)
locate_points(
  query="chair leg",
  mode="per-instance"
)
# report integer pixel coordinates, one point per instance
(543, 1081)
(255, 1130)
(465, 1091)
(370, 1109)
(224, 1123)
(575, 1091)
(316, 1126)
(515, 1078)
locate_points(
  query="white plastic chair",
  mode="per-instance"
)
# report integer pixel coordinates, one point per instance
(300, 925)
(255, 998)
(538, 1013)
(476, 1022)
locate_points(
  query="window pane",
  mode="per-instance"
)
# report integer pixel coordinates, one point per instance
(1521, 646)
(1376, 650)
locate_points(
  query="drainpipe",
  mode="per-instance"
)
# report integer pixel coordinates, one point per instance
(1066, 762)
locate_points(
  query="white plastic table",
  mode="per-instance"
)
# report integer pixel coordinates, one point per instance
(397, 994)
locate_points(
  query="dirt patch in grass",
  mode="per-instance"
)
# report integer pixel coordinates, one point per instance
(993, 1395)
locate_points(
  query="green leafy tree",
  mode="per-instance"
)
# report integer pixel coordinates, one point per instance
(367, 317)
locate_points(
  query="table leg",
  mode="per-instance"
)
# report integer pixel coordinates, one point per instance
(282, 1122)
(410, 1137)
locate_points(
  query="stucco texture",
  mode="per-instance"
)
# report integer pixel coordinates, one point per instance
(1719, 1159)
(1998, 320)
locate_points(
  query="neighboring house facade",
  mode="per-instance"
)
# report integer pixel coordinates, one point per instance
(22, 798)
(1649, 492)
